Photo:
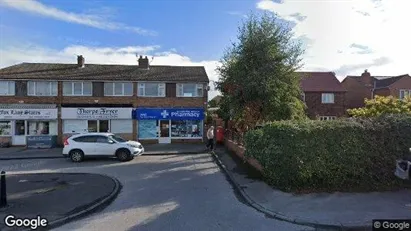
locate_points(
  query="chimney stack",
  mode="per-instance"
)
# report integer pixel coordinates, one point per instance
(80, 61)
(367, 79)
(143, 62)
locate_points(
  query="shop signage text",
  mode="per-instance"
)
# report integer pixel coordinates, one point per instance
(28, 113)
(169, 113)
(96, 113)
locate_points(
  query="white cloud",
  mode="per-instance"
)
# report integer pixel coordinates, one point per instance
(97, 20)
(237, 13)
(103, 55)
(333, 26)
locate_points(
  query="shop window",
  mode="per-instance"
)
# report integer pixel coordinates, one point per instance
(147, 129)
(121, 126)
(42, 88)
(118, 89)
(186, 128)
(7, 87)
(38, 128)
(74, 126)
(20, 128)
(103, 126)
(152, 89)
(5, 128)
(92, 126)
(189, 90)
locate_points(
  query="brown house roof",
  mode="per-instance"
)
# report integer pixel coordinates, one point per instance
(381, 81)
(320, 82)
(56, 71)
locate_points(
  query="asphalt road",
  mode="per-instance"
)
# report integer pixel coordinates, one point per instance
(187, 192)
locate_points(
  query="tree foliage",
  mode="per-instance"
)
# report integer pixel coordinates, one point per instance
(258, 76)
(381, 105)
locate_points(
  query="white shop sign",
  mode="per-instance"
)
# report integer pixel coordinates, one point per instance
(96, 113)
(28, 114)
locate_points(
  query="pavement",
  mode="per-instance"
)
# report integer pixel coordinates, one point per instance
(16, 153)
(173, 192)
(57, 197)
(338, 211)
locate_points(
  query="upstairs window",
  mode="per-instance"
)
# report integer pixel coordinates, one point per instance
(118, 89)
(327, 118)
(405, 93)
(189, 90)
(77, 89)
(303, 96)
(152, 89)
(327, 98)
(7, 88)
(41, 88)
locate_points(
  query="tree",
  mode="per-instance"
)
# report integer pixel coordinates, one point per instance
(258, 76)
(214, 102)
(382, 105)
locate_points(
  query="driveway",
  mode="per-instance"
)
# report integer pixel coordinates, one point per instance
(185, 192)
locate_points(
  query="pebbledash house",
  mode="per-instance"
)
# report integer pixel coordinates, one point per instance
(149, 103)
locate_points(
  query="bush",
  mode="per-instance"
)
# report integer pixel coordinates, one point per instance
(341, 155)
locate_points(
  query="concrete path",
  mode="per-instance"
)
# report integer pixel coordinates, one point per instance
(56, 197)
(324, 209)
(175, 192)
(16, 153)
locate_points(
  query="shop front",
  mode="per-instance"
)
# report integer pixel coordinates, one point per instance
(18, 125)
(169, 124)
(114, 120)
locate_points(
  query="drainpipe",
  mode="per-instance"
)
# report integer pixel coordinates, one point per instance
(373, 89)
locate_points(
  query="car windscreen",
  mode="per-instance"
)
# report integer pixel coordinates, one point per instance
(118, 139)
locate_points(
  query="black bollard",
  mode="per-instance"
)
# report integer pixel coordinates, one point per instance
(3, 192)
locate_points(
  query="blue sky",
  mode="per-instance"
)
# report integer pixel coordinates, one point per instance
(344, 36)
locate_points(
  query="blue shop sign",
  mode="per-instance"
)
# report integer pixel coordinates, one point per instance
(168, 114)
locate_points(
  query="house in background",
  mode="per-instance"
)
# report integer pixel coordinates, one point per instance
(323, 94)
(366, 87)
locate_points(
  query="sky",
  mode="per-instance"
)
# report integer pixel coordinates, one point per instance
(343, 36)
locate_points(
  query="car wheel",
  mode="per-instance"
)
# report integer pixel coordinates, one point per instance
(76, 155)
(123, 155)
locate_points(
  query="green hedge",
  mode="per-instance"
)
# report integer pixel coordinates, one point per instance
(339, 155)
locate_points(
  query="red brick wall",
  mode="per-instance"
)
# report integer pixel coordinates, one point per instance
(239, 151)
(316, 108)
(403, 83)
(356, 93)
(382, 92)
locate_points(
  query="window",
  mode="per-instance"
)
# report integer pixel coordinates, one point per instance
(327, 117)
(102, 139)
(19, 128)
(77, 88)
(43, 88)
(186, 128)
(405, 93)
(147, 129)
(327, 98)
(86, 139)
(121, 126)
(74, 126)
(7, 87)
(38, 128)
(189, 90)
(118, 89)
(5, 128)
(152, 89)
(303, 96)
(98, 125)
(118, 138)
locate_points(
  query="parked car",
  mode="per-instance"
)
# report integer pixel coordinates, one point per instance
(81, 146)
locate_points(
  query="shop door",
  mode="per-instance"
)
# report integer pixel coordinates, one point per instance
(19, 137)
(164, 127)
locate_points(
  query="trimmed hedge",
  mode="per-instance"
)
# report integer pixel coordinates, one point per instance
(341, 155)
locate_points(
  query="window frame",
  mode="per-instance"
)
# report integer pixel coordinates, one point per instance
(404, 91)
(122, 86)
(82, 88)
(325, 118)
(197, 87)
(35, 85)
(142, 93)
(9, 92)
(323, 96)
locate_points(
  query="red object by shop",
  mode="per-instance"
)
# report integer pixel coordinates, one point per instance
(220, 134)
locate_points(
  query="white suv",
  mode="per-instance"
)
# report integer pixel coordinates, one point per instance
(80, 146)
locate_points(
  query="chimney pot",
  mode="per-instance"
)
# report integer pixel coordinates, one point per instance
(143, 62)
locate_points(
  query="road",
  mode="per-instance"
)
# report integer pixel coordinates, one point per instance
(186, 192)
